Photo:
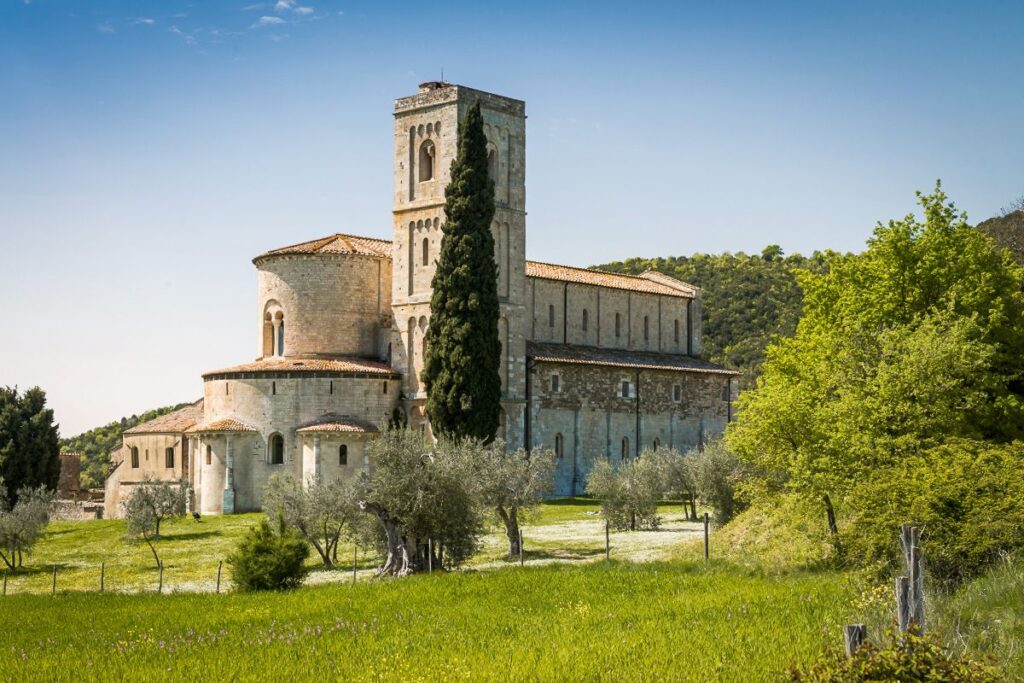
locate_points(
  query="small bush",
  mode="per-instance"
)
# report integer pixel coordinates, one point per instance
(716, 473)
(908, 659)
(629, 495)
(269, 560)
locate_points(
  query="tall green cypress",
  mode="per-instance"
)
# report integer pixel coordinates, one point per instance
(463, 352)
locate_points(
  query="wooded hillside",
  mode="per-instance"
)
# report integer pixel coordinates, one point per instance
(748, 299)
(95, 445)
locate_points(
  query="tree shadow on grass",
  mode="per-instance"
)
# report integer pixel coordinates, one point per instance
(555, 554)
(574, 501)
(190, 536)
(36, 569)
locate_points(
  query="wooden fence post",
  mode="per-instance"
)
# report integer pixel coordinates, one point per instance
(355, 560)
(160, 585)
(707, 521)
(521, 560)
(103, 573)
(220, 565)
(854, 635)
(53, 587)
(430, 556)
(607, 542)
(5, 582)
(903, 606)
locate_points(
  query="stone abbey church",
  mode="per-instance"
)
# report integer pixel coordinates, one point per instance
(594, 365)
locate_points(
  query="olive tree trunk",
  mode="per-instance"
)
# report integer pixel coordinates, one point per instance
(402, 553)
(511, 519)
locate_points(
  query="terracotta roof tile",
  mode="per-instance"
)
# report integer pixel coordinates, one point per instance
(226, 424)
(650, 282)
(600, 278)
(338, 423)
(299, 364)
(335, 244)
(644, 360)
(171, 423)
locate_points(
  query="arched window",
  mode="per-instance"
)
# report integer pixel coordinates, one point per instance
(426, 161)
(280, 336)
(625, 449)
(656, 444)
(342, 455)
(492, 164)
(426, 251)
(551, 315)
(676, 328)
(618, 325)
(268, 335)
(276, 449)
(647, 328)
(135, 457)
(584, 320)
(558, 446)
(209, 455)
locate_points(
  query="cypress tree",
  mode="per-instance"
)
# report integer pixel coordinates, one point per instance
(29, 442)
(463, 351)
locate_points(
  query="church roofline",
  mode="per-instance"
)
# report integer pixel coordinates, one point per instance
(338, 244)
(340, 366)
(546, 352)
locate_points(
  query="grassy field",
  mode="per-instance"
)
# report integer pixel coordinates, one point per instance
(673, 620)
(567, 530)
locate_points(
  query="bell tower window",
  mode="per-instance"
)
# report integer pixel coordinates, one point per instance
(426, 251)
(276, 449)
(426, 161)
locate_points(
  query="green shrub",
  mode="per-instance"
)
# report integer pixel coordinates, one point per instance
(964, 495)
(907, 659)
(266, 559)
(629, 494)
(717, 472)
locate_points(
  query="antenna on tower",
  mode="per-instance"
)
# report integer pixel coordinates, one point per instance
(442, 74)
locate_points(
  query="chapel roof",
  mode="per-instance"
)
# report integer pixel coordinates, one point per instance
(225, 424)
(171, 423)
(338, 423)
(622, 358)
(650, 282)
(292, 364)
(337, 243)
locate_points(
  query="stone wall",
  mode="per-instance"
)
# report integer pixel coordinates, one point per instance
(614, 318)
(595, 420)
(277, 403)
(333, 304)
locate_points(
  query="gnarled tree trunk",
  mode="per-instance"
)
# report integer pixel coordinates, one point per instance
(511, 519)
(402, 555)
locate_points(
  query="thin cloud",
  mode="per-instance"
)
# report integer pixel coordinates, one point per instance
(145, 20)
(269, 21)
(284, 5)
(105, 27)
(250, 8)
(189, 39)
(303, 10)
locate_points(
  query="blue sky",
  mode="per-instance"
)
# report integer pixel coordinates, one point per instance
(148, 150)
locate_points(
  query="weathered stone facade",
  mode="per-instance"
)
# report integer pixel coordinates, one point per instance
(342, 323)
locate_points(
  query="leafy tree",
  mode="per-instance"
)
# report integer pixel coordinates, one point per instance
(269, 559)
(149, 505)
(95, 445)
(419, 493)
(748, 300)
(319, 511)
(1008, 229)
(512, 483)
(460, 372)
(22, 524)
(915, 341)
(629, 494)
(677, 475)
(29, 451)
(717, 474)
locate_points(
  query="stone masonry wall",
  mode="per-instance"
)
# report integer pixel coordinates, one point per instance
(596, 421)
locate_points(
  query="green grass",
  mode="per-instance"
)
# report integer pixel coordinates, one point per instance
(561, 530)
(599, 621)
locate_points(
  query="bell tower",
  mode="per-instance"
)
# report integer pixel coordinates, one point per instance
(426, 142)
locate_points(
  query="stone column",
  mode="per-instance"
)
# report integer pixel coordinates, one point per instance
(229, 477)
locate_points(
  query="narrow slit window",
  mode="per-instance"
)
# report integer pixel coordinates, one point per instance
(618, 325)
(676, 329)
(647, 328)
(169, 458)
(551, 315)
(625, 449)
(426, 251)
(209, 455)
(342, 455)
(556, 384)
(584, 320)
(135, 457)
(558, 446)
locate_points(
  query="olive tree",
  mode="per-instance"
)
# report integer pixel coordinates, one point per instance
(22, 524)
(511, 483)
(629, 494)
(319, 511)
(678, 476)
(150, 504)
(426, 498)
